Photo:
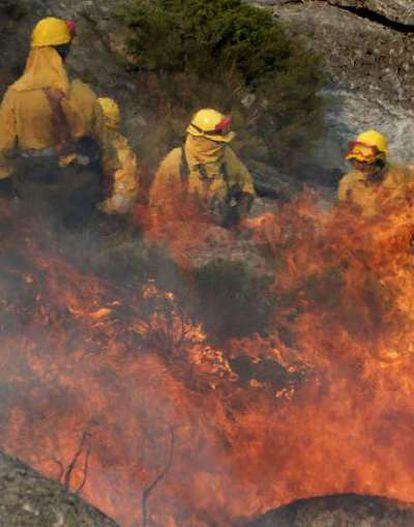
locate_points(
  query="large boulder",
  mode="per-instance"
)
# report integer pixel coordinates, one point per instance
(340, 511)
(401, 11)
(366, 46)
(29, 500)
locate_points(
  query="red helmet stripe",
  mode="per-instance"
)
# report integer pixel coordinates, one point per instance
(224, 124)
(72, 27)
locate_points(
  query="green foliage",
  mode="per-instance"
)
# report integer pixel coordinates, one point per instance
(231, 56)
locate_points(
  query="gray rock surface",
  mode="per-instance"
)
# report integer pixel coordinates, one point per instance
(394, 10)
(370, 63)
(401, 11)
(28, 500)
(340, 511)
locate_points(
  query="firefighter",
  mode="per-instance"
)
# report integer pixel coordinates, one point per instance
(119, 162)
(49, 156)
(372, 182)
(206, 169)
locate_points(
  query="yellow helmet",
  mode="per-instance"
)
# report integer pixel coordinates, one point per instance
(51, 32)
(111, 112)
(368, 147)
(212, 125)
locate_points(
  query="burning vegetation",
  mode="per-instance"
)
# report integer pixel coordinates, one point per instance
(113, 386)
(178, 374)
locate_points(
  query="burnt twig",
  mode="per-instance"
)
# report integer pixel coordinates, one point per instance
(67, 475)
(146, 493)
(85, 471)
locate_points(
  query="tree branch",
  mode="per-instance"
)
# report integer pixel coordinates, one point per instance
(151, 487)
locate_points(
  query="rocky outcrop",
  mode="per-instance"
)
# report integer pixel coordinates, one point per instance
(360, 54)
(340, 511)
(366, 47)
(400, 11)
(391, 11)
(28, 500)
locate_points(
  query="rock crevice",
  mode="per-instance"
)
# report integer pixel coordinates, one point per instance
(378, 18)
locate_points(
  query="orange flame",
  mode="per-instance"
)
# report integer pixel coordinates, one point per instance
(119, 395)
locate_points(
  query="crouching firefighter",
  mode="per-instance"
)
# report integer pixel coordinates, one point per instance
(48, 155)
(120, 164)
(206, 169)
(373, 182)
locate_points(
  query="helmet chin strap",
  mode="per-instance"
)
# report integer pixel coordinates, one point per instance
(63, 51)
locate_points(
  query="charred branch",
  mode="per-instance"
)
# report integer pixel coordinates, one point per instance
(85, 471)
(61, 469)
(66, 477)
(149, 489)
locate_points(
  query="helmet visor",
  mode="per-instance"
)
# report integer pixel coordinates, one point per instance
(362, 152)
(220, 133)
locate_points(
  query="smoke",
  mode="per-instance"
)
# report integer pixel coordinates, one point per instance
(91, 392)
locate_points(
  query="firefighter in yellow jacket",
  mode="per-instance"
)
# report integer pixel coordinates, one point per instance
(207, 169)
(373, 182)
(119, 162)
(44, 117)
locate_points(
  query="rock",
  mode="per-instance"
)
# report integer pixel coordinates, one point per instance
(369, 61)
(13, 42)
(29, 500)
(357, 51)
(401, 11)
(340, 511)
(393, 10)
(270, 183)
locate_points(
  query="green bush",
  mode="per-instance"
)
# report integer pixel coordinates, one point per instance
(228, 55)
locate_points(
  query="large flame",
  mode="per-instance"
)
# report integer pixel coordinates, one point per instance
(109, 387)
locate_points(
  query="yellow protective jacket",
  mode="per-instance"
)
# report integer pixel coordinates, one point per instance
(371, 197)
(121, 168)
(84, 100)
(170, 186)
(27, 120)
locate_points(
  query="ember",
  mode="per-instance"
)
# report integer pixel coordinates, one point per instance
(110, 387)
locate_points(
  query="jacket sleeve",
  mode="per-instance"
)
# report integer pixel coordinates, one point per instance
(166, 181)
(344, 188)
(8, 133)
(125, 179)
(85, 101)
(239, 173)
